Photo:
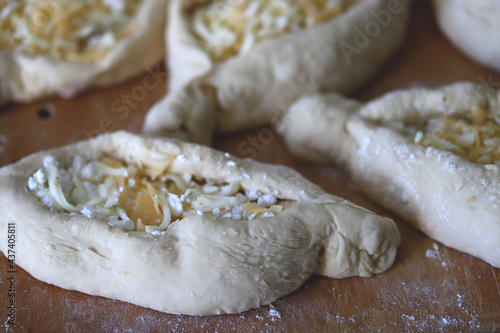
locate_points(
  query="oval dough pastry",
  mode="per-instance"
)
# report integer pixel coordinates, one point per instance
(473, 27)
(63, 47)
(431, 156)
(181, 228)
(239, 64)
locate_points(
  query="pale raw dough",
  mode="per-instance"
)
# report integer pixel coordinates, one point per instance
(256, 87)
(26, 78)
(203, 264)
(473, 27)
(447, 197)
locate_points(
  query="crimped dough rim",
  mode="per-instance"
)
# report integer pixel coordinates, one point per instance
(181, 276)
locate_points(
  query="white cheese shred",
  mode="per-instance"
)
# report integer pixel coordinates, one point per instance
(227, 29)
(473, 135)
(75, 30)
(127, 197)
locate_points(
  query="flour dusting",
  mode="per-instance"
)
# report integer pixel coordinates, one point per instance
(274, 314)
(434, 253)
(429, 298)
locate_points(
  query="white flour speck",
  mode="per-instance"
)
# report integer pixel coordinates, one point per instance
(434, 253)
(407, 317)
(274, 314)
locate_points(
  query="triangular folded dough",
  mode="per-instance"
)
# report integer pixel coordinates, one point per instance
(430, 155)
(46, 49)
(255, 85)
(202, 264)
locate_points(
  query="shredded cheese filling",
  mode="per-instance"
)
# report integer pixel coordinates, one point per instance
(128, 197)
(69, 30)
(474, 135)
(227, 28)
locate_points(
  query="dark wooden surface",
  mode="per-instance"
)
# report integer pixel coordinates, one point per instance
(430, 287)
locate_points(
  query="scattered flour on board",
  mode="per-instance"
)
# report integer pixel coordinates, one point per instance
(268, 321)
(435, 254)
(8, 326)
(274, 314)
(468, 318)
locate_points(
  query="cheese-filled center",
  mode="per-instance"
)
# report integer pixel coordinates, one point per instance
(230, 27)
(473, 135)
(133, 198)
(67, 30)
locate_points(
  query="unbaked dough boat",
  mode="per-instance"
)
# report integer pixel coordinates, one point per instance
(63, 47)
(430, 155)
(239, 64)
(180, 227)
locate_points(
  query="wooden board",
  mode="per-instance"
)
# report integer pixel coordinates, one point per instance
(430, 287)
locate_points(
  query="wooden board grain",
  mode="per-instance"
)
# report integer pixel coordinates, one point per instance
(430, 287)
